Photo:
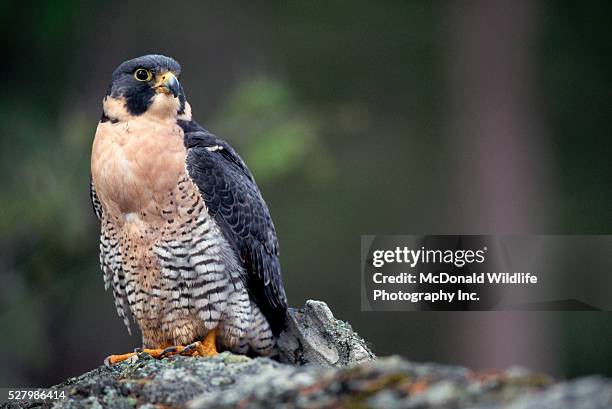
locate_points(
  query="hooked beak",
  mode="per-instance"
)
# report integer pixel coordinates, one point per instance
(168, 84)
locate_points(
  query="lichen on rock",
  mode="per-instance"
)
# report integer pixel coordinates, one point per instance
(326, 365)
(314, 336)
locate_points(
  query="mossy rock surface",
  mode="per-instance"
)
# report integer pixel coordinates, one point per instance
(344, 375)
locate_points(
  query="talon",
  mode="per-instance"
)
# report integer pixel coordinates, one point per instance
(132, 359)
(207, 347)
(190, 349)
(169, 351)
(115, 359)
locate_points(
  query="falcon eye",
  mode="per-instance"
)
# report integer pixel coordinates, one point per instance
(143, 75)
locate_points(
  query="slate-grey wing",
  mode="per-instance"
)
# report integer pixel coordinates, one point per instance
(235, 203)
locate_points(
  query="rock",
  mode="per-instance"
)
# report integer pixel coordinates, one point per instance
(335, 369)
(590, 392)
(314, 336)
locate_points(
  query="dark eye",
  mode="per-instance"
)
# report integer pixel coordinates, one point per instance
(143, 75)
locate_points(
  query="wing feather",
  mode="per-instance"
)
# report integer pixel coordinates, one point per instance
(235, 203)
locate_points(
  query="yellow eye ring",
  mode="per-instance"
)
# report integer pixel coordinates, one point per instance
(142, 74)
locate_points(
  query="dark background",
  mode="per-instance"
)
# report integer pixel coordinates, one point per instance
(355, 118)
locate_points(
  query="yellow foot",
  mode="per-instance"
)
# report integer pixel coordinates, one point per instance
(207, 347)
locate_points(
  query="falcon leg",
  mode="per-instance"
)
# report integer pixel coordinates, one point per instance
(207, 347)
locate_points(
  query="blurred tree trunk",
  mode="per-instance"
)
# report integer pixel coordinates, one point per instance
(502, 163)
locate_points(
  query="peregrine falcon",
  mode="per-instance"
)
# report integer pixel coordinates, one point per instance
(187, 243)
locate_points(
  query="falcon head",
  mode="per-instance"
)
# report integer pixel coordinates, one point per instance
(147, 84)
